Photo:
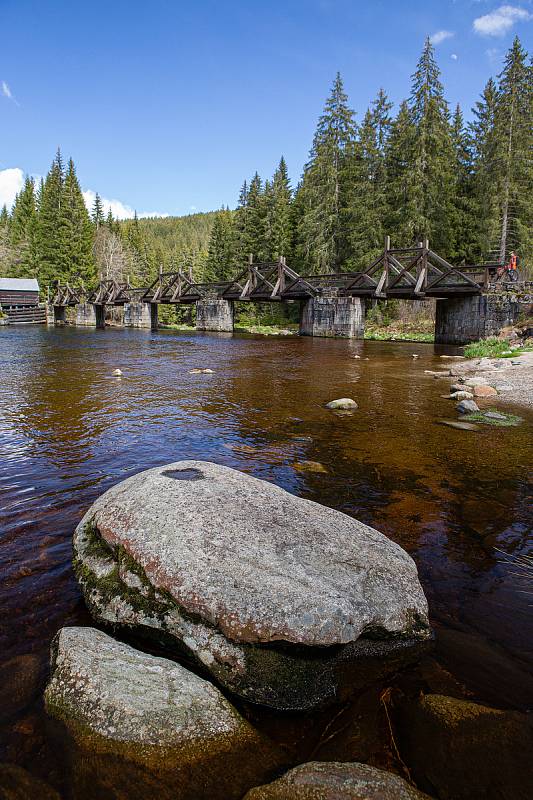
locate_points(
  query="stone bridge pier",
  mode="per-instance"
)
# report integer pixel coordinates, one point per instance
(460, 320)
(138, 315)
(333, 316)
(215, 314)
(86, 314)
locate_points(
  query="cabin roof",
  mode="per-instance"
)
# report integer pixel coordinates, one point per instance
(19, 285)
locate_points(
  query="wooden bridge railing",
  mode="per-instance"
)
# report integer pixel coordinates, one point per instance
(409, 272)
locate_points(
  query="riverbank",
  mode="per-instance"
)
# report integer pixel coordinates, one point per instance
(378, 333)
(511, 377)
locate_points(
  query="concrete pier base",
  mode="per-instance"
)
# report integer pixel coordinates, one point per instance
(86, 314)
(137, 315)
(60, 315)
(214, 315)
(460, 320)
(333, 316)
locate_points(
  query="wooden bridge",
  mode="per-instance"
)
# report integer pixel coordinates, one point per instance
(332, 304)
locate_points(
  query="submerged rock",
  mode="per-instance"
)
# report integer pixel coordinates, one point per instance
(18, 784)
(19, 684)
(342, 404)
(118, 703)
(319, 780)
(465, 751)
(284, 601)
(459, 424)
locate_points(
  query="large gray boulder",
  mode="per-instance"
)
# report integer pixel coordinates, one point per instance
(174, 731)
(276, 596)
(335, 781)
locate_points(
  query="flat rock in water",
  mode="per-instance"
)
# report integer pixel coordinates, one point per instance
(494, 415)
(461, 426)
(323, 780)
(276, 595)
(118, 702)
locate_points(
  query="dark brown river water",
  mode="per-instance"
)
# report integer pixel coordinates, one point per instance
(457, 501)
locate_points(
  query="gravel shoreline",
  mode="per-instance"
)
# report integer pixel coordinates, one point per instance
(511, 377)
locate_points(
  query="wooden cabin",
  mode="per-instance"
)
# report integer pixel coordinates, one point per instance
(19, 300)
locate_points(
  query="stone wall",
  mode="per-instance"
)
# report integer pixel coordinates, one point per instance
(333, 316)
(460, 320)
(213, 314)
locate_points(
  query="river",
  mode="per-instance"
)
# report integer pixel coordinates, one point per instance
(458, 501)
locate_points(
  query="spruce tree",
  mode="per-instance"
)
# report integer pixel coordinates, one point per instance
(513, 165)
(98, 211)
(398, 164)
(281, 226)
(47, 234)
(367, 208)
(322, 237)
(464, 221)
(485, 198)
(4, 217)
(219, 263)
(22, 230)
(430, 182)
(75, 230)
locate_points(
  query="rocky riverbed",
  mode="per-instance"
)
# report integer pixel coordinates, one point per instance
(511, 377)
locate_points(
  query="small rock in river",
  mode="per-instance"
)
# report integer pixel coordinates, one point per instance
(117, 373)
(494, 415)
(343, 403)
(310, 466)
(200, 371)
(467, 407)
(461, 395)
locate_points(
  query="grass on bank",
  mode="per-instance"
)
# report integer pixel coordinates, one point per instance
(493, 348)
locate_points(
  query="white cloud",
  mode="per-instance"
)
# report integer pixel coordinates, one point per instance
(440, 36)
(454, 56)
(11, 182)
(501, 20)
(118, 209)
(5, 90)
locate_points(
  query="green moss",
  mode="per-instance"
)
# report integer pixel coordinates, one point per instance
(480, 416)
(392, 335)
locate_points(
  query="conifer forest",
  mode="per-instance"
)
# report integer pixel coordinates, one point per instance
(412, 172)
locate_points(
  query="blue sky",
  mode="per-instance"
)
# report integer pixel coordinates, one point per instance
(167, 106)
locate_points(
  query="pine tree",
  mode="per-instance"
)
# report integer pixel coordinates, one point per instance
(98, 211)
(322, 239)
(75, 230)
(4, 217)
(47, 233)
(431, 173)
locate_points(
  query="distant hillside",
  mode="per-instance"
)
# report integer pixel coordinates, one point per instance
(173, 235)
